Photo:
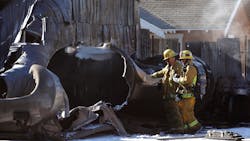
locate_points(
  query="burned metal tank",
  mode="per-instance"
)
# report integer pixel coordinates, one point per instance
(105, 73)
(89, 74)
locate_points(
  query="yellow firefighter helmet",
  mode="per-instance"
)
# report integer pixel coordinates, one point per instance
(168, 53)
(186, 54)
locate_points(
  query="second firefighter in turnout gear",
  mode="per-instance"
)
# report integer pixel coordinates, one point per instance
(187, 82)
(172, 112)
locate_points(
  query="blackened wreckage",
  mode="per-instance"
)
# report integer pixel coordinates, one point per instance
(48, 68)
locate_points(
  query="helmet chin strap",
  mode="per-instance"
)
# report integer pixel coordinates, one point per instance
(189, 62)
(186, 62)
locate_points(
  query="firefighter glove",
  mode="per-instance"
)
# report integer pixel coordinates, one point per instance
(159, 85)
(176, 80)
(178, 97)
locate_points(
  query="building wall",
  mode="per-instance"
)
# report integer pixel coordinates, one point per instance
(152, 45)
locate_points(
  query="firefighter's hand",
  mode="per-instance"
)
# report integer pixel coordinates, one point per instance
(178, 97)
(2, 70)
(159, 85)
(176, 79)
(153, 75)
(176, 75)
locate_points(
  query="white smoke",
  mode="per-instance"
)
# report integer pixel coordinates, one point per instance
(220, 14)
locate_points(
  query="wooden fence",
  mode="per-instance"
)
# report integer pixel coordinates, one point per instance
(223, 56)
(100, 21)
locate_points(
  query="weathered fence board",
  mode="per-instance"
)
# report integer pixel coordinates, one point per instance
(105, 11)
(229, 58)
(248, 61)
(195, 47)
(223, 57)
(145, 43)
(209, 55)
(102, 20)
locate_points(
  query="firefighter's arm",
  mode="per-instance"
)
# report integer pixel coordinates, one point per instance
(178, 69)
(159, 73)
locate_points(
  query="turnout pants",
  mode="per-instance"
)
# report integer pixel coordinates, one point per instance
(186, 106)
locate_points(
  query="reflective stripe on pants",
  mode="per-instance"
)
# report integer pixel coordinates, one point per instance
(187, 95)
(186, 107)
(191, 124)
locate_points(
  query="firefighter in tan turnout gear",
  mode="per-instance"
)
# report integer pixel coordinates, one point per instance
(172, 112)
(187, 82)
